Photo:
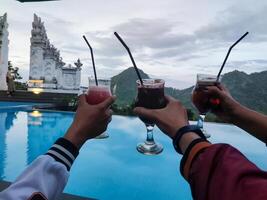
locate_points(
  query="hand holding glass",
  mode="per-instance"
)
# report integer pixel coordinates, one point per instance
(97, 94)
(201, 100)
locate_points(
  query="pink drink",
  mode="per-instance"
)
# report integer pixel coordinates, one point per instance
(97, 94)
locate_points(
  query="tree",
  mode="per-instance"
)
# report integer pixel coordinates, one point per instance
(14, 71)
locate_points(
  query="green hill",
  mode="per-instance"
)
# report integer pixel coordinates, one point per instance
(124, 86)
(248, 89)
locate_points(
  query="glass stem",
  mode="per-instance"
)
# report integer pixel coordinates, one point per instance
(200, 121)
(149, 137)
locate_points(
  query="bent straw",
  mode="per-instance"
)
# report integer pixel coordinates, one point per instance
(92, 56)
(129, 52)
(229, 51)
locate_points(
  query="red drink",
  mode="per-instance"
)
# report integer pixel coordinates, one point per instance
(151, 96)
(203, 101)
(97, 94)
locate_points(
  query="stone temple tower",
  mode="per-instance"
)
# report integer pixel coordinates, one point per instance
(46, 64)
(3, 51)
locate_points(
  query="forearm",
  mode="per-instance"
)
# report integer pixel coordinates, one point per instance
(221, 172)
(252, 122)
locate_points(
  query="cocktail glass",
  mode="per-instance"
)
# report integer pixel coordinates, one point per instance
(97, 94)
(201, 100)
(150, 95)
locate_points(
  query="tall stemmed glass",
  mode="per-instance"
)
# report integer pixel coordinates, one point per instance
(97, 94)
(201, 100)
(150, 95)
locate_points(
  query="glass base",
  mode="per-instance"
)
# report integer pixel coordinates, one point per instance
(149, 148)
(103, 135)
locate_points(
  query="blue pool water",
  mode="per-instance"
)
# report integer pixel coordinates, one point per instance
(110, 168)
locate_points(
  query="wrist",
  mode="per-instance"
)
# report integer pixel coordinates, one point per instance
(186, 140)
(185, 136)
(75, 137)
(173, 130)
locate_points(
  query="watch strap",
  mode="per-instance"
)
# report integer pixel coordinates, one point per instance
(184, 130)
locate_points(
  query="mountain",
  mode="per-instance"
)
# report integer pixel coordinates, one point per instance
(249, 89)
(124, 86)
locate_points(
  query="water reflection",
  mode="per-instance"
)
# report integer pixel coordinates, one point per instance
(6, 122)
(102, 165)
(43, 129)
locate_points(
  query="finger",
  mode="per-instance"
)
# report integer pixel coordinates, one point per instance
(214, 90)
(144, 112)
(223, 88)
(107, 103)
(169, 98)
(82, 99)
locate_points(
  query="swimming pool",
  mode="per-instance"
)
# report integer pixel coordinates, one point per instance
(110, 168)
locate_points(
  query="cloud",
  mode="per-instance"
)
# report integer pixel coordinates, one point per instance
(162, 38)
(249, 65)
(173, 39)
(235, 21)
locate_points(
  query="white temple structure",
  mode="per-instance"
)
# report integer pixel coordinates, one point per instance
(3, 51)
(48, 72)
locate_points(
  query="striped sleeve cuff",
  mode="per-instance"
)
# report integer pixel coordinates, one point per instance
(64, 152)
(190, 154)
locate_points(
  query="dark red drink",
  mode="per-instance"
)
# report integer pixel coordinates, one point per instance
(201, 99)
(151, 96)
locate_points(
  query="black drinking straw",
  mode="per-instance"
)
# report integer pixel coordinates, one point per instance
(228, 53)
(129, 52)
(93, 60)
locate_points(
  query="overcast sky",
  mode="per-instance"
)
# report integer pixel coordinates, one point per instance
(171, 39)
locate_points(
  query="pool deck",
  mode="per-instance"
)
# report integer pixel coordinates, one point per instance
(44, 97)
(5, 184)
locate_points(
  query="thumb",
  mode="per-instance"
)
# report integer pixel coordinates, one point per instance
(213, 90)
(107, 103)
(170, 99)
(144, 112)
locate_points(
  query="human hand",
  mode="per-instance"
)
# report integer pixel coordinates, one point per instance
(89, 121)
(227, 107)
(168, 119)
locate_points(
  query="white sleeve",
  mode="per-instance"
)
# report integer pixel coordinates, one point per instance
(46, 177)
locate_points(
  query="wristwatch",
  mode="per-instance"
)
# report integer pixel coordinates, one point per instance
(184, 130)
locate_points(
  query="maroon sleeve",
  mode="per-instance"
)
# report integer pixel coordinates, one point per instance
(221, 172)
